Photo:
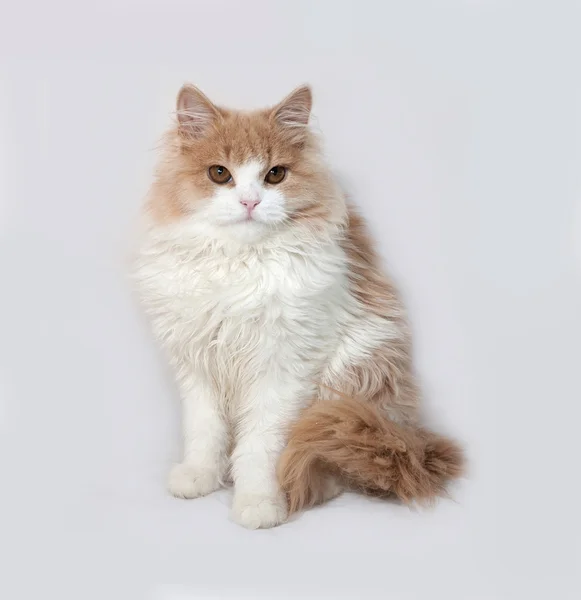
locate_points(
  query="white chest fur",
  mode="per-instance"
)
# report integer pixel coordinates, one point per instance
(232, 314)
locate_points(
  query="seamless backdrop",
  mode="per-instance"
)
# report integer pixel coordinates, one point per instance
(455, 126)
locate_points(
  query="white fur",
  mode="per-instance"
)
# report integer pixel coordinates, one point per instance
(225, 209)
(250, 329)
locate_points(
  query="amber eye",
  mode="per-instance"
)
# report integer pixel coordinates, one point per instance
(275, 175)
(219, 174)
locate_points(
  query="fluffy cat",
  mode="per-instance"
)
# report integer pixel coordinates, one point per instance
(289, 343)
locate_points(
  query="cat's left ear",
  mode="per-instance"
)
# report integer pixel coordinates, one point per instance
(196, 113)
(294, 111)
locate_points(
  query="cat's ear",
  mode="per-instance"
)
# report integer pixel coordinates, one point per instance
(195, 112)
(294, 111)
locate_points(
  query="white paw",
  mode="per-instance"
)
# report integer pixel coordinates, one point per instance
(188, 481)
(255, 511)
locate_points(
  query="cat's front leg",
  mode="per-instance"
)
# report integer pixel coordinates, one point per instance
(262, 429)
(205, 440)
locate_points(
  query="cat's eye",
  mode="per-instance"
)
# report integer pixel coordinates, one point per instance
(275, 175)
(219, 174)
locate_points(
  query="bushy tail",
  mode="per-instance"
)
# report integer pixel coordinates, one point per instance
(356, 442)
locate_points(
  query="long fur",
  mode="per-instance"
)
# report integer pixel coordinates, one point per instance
(265, 317)
(356, 443)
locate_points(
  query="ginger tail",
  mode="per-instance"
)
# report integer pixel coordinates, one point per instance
(355, 442)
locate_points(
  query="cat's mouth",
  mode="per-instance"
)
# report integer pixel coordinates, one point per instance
(245, 220)
(252, 221)
(250, 218)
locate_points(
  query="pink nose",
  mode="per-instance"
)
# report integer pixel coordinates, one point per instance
(250, 204)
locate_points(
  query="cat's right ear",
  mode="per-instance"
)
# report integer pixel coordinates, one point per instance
(195, 112)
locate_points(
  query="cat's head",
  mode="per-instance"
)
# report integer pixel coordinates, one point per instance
(245, 175)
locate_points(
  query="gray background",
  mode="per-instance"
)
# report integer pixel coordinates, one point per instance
(455, 125)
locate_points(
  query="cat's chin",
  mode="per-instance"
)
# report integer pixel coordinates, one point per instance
(245, 230)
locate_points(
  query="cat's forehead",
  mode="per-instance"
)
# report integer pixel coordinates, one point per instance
(243, 138)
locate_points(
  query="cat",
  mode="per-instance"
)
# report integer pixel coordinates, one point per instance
(289, 343)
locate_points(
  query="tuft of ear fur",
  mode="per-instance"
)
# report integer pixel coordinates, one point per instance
(366, 450)
(195, 112)
(295, 109)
